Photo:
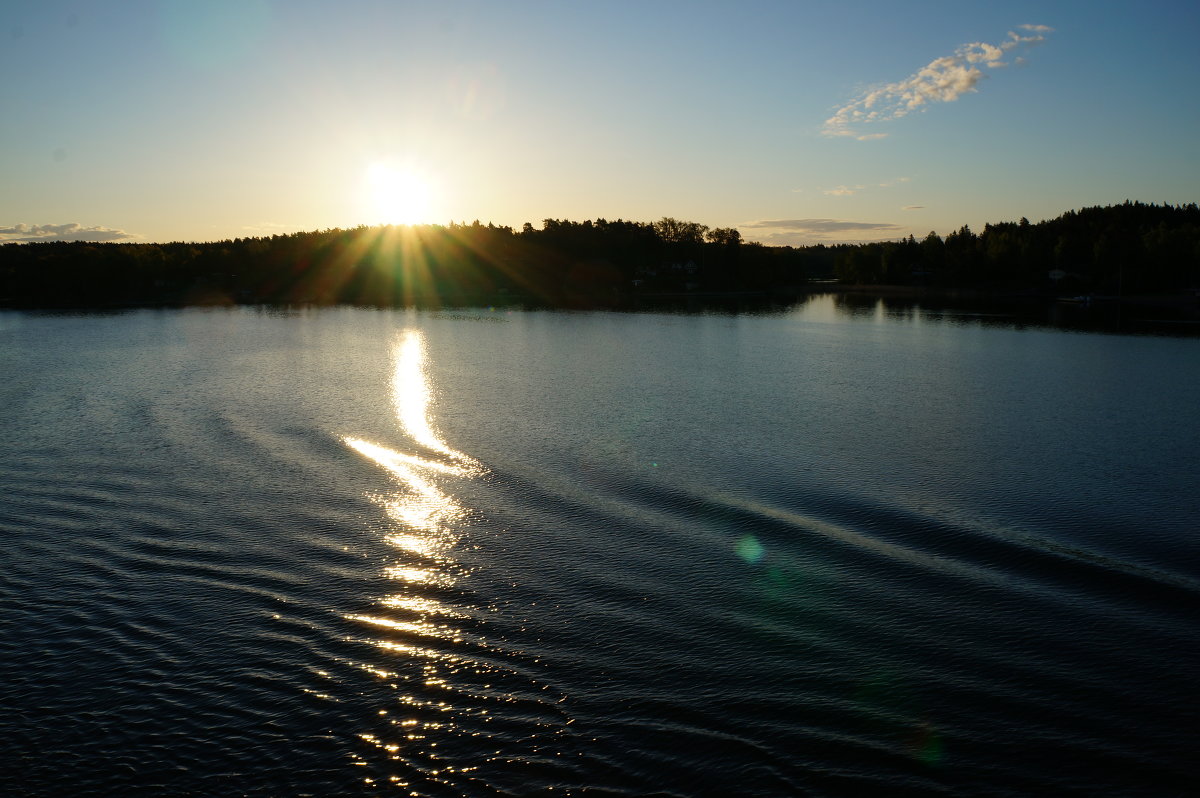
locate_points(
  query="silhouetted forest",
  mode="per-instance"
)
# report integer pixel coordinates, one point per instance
(1123, 249)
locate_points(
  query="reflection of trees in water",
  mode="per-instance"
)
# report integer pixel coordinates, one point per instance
(1099, 315)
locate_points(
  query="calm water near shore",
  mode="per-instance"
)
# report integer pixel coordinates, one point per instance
(840, 549)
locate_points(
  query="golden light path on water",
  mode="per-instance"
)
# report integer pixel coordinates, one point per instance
(411, 397)
(411, 622)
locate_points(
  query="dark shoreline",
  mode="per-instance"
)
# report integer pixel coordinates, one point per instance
(1156, 314)
(1130, 255)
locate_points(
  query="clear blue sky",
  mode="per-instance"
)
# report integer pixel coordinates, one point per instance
(797, 122)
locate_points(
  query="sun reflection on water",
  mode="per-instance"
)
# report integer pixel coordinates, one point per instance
(412, 396)
(414, 622)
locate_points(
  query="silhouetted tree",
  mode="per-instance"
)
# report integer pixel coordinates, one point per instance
(1131, 247)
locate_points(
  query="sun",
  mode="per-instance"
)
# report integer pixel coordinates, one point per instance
(396, 195)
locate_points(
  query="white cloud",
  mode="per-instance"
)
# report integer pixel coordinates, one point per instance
(942, 80)
(72, 231)
(981, 51)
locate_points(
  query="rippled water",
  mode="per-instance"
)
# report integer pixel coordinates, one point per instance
(817, 552)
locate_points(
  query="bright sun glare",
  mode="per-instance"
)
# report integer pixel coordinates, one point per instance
(396, 195)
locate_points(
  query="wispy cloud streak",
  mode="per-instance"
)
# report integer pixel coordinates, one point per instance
(72, 231)
(796, 232)
(819, 225)
(943, 80)
(850, 191)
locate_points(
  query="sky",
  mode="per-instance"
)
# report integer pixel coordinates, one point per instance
(797, 122)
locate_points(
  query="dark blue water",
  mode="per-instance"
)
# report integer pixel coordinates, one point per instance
(817, 552)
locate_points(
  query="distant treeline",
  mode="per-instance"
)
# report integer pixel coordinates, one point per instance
(1130, 247)
(564, 264)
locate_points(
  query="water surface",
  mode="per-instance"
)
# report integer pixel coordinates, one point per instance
(824, 551)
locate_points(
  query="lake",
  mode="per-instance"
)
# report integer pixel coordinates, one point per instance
(836, 549)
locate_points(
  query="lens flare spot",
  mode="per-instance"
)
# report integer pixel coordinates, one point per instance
(926, 744)
(750, 550)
